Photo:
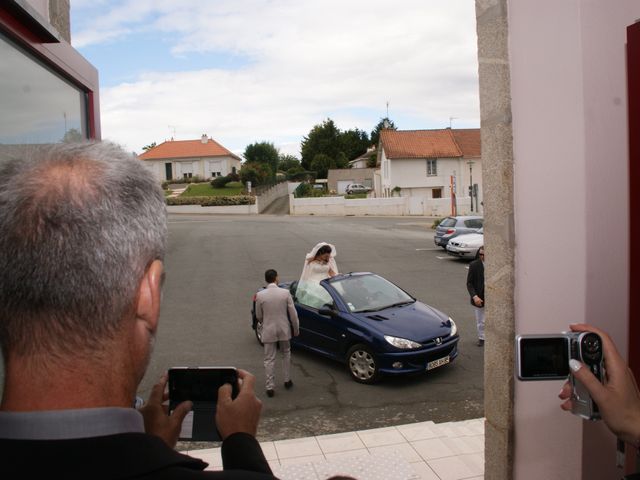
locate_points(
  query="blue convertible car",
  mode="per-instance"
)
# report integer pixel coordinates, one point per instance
(372, 325)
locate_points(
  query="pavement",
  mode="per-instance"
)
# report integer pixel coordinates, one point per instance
(415, 451)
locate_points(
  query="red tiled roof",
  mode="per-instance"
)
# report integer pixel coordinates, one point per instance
(430, 143)
(187, 149)
(468, 139)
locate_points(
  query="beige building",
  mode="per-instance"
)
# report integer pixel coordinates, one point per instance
(434, 165)
(204, 158)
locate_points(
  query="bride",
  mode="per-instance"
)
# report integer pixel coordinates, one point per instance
(319, 264)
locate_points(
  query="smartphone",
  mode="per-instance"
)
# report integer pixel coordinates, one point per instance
(200, 385)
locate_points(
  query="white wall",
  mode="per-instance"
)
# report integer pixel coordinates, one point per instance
(570, 142)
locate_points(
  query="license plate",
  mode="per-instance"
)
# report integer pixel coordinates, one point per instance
(438, 363)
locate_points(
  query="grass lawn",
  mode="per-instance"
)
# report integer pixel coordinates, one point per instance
(206, 190)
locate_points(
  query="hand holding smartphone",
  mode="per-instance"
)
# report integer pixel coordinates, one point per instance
(200, 386)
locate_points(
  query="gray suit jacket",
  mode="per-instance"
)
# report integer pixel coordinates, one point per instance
(272, 305)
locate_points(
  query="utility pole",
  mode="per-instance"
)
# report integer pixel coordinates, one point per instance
(471, 183)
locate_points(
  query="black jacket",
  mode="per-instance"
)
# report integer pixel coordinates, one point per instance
(127, 456)
(475, 280)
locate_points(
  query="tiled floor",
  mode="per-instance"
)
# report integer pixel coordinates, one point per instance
(417, 451)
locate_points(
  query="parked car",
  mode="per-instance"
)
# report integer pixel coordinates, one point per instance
(467, 245)
(356, 188)
(451, 227)
(373, 326)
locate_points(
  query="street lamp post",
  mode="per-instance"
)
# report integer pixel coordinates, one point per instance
(471, 183)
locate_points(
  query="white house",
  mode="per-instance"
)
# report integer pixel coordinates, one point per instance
(437, 166)
(205, 158)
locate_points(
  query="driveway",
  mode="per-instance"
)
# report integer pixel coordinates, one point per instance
(216, 263)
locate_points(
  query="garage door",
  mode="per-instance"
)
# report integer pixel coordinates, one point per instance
(343, 184)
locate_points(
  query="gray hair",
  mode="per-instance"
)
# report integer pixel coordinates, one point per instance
(79, 225)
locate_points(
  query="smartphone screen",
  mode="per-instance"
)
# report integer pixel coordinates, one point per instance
(200, 385)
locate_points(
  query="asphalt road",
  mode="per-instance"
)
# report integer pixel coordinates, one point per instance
(216, 263)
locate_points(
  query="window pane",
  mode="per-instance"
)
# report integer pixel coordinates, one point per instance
(36, 105)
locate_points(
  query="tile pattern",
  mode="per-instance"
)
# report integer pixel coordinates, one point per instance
(418, 451)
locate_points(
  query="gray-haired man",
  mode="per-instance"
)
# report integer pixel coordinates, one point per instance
(83, 234)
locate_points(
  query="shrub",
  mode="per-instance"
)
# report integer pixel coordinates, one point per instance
(220, 182)
(213, 201)
(436, 222)
(306, 190)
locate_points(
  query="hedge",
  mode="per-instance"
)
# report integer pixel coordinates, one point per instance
(213, 201)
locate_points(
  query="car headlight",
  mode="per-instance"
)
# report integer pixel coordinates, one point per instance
(402, 343)
(454, 328)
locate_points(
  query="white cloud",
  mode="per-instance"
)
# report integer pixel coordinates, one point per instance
(309, 60)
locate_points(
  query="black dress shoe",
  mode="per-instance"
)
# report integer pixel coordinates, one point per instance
(270, 393)
(288, 384)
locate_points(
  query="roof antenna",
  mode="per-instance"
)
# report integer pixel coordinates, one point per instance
(387, 108)
(450, 119)
(173, 127)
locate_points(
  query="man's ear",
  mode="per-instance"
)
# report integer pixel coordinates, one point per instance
(149, 296)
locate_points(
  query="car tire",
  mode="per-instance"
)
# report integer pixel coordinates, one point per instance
(258, 332)
(362, 364)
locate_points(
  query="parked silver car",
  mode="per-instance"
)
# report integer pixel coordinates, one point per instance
(467, 245)
(357, 188)
(451, 227)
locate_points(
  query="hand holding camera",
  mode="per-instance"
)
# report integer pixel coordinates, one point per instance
(618, 399)
(548, 357)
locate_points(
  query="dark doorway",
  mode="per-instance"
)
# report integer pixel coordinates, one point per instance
(168, 171)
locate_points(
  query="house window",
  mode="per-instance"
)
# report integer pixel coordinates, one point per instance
(432, 168)
(216, 174)
(188, 175)
(436, 193)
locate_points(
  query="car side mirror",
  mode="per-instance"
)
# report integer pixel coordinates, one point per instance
(327, 310)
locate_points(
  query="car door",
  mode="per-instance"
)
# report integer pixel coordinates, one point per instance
(321, 333)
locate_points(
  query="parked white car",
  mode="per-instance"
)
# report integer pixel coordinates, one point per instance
(466, 246)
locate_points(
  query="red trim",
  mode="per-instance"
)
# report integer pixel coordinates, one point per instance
(633, 87)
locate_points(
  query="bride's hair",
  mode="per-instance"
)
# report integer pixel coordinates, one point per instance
(322, 250)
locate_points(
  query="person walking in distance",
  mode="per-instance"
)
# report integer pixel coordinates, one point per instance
(475, 286)
(275, 309)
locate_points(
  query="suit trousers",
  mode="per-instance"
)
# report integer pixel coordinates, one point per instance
(270, 350)
(479, 312)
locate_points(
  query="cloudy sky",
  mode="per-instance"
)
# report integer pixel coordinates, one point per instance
(244, 71)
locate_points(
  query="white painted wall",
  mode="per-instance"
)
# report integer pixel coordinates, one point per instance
(411, 176)
(570, 143)
(196, 166)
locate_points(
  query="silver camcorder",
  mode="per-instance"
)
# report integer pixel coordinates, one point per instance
(546, 357)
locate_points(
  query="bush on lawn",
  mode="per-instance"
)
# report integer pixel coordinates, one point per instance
(213, 201)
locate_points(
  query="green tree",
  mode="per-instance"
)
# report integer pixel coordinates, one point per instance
(72, 135)
(149, 147)
(322, 139)
(354, 143)
(263, 152)
(287, 162)
(375, 133)
(256, 173)
(321, 164)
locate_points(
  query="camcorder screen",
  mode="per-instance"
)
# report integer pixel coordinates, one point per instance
(544, 358)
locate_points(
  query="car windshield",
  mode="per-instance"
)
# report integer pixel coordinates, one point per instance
(370, 293)
(448, 222)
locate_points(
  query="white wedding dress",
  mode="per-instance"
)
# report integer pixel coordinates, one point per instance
(309, 291)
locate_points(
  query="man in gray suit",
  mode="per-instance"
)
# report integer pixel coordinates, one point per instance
(275, 309)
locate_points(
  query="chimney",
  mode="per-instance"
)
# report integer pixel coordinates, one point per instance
(204, 138)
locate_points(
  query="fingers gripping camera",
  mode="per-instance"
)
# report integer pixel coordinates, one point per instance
(546, 357)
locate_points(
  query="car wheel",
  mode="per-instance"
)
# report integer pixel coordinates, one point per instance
(362, 364)
(258, 331)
